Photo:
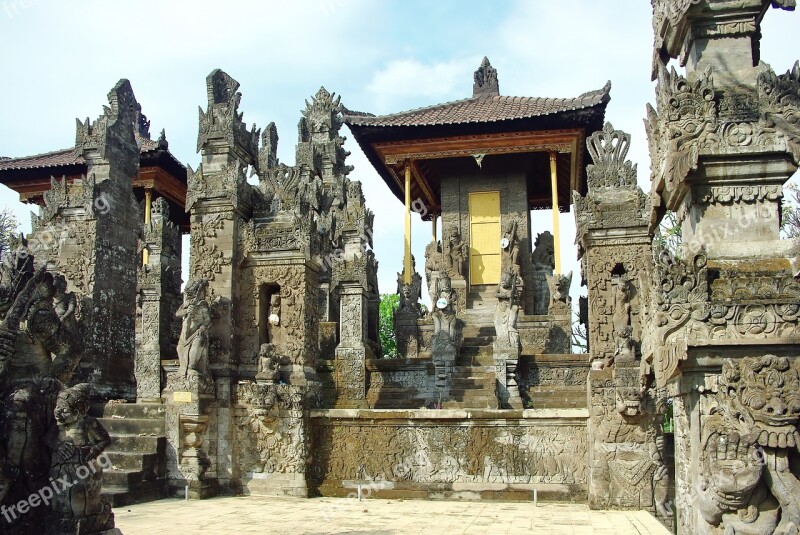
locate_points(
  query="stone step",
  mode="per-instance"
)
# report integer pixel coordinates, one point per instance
(398, 403)
(475, 351)
(480, 383)
(138, 443)
(482, 403)
(128, 410)
(146, 462)
(478, 341)
(146, 491)
(124, 478)
(469, 369)
(133, 426)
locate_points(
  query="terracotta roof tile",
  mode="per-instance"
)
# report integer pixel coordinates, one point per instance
(481, 110)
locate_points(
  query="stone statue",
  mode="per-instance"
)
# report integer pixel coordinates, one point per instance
(410, 293)
(505, 316)
(444, 314)
(457, 252)
(433, 265)
(559, 289)
(193, 342)
(625, 352)
(65, 303)
(622, 306)
(509, 255)
(76, 442)
(268, 362)
(544, 252)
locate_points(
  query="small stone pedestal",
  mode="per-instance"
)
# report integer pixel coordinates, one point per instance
(444, 358)
(506, 360)
(190, 402)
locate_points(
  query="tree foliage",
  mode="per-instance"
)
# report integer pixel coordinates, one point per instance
(668, 235)
(389, 303)
(790, 213)
(8, 227)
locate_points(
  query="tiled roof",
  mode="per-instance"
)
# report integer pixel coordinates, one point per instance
(481, 110)
(62, 157)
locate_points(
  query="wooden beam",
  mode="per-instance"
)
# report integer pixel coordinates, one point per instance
(561, 141)
(433, 202)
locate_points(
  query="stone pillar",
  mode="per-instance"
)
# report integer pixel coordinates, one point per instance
(159, 297)
(89, 229)
(219, 200)
(352, 351)
(625, 460)
(726, 139)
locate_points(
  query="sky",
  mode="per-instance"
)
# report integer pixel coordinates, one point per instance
(60, 59)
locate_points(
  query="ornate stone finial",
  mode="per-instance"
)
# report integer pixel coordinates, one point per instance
(162, 142)
(160, 208)
(114, 126)
(222, 119)
(323, 116)
(268, 153)
(608, 149)
(486, 84)
(141, 123)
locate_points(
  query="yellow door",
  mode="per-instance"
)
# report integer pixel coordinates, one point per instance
(484, 237)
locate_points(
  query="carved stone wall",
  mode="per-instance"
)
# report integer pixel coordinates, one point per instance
(442, 455)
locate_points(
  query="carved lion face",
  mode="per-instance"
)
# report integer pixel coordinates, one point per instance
(629, 401)
(765, 391)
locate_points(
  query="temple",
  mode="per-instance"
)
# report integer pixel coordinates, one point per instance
(262, 370)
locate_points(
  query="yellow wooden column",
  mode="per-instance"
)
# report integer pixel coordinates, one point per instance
(433, 226)
(407, 259)
(148, 206)
(554, 188)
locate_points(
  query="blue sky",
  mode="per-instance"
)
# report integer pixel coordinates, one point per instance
(59, 59)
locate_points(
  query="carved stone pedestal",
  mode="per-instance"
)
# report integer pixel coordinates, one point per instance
(407, 334)
(506, 360)
(190, 425)
(444, 357)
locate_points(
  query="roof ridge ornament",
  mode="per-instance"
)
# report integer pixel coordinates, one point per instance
(485, 84)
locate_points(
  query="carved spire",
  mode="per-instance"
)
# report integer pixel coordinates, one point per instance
(113, 129)
(608, 149)
(222, 119)
(268, 153)
(486, 84)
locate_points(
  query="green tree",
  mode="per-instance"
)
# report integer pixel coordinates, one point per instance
(668, 234)
(389, 303)
(8, 227)
(790, 213)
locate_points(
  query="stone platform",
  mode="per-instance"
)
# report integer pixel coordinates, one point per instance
(382, 517)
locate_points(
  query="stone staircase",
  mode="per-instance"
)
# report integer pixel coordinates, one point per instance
(137, 452)
(473, 380)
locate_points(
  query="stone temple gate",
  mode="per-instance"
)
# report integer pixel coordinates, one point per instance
(263, 374)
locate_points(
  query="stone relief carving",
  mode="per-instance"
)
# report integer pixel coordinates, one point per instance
(449, 454)
(747, 481)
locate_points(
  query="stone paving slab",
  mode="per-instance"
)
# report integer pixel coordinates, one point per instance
(317, 516)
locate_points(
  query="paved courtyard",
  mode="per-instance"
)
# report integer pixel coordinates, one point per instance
(249, 514)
